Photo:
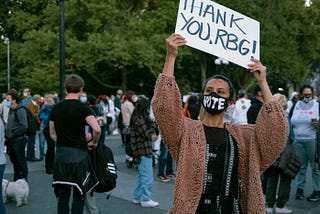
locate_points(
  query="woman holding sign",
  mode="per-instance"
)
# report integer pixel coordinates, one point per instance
(218, 164)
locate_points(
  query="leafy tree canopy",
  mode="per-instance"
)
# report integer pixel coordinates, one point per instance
(121, 44)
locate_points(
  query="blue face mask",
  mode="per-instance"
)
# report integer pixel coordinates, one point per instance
(83, 99)
(8, 104)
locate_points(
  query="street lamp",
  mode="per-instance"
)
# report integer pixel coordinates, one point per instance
(7, 42)
(141, 86)
(62, 46)
(221, 62)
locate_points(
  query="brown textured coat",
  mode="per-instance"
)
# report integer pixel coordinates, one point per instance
(258, 145)
(35, 110)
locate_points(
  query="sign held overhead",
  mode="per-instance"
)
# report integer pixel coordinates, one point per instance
(218, 30)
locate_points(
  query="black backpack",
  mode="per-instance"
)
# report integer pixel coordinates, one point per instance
(31, 119)
(104, 167)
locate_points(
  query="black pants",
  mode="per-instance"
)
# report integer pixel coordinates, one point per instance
(165, 160)
(127, 140)
(103, 133)
(109, 121)
(63, 193)
(16, 149)
(50, 149)
(274, 174)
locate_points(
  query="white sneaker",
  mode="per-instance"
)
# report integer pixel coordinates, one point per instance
(283, 210)
(135, 201)
(149, 203)
(269, 210)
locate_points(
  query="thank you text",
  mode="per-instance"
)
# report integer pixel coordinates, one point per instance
(218, 30)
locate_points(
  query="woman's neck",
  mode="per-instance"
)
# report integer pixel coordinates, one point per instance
(213, 120)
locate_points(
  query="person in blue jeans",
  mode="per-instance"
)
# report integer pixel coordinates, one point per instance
(142, 128)
(44, 116)
(165, 162)
(42, 142)
(304, 119)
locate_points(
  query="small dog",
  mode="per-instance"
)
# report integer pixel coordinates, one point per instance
(19, 190)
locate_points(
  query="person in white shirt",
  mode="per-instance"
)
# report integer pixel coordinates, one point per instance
(295, 96)
(127, 109)
(304, 120)
(110, 115)
(241, 107)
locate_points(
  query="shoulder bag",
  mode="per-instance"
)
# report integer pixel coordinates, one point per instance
(289, 162)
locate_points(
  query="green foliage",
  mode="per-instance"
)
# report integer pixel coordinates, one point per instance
(121, 44)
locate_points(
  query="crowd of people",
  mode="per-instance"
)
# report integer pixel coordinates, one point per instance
(55, 132)
(225, 147)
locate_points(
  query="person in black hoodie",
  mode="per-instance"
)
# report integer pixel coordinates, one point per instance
(256, 104)
(252, 113)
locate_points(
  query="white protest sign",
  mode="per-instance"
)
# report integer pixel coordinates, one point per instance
(218, 30)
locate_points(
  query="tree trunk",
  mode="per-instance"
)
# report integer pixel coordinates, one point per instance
(124, 79)
(203, 64)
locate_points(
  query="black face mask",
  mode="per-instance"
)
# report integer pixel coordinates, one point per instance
(214, 104)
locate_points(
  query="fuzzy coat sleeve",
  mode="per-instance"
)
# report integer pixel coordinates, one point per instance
(167, 108)
(259, 145)
(272, 131)
(186, 141)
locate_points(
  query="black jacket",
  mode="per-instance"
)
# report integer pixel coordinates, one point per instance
(253, 111)
(17, 123)
(72, 166)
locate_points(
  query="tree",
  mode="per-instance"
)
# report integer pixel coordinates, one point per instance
(121, 44)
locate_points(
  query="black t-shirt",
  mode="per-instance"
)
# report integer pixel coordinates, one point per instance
(69, 121)
(214, 182)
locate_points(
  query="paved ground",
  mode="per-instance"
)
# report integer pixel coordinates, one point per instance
(42, 199)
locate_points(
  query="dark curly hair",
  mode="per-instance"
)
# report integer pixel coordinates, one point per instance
(14, 95)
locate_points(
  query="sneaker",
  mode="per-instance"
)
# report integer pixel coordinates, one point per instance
(33, 159)
(283, 210)
(149, 203)
(129, 163)
(269, 210)
(315, 196)
(49, 171)
(135, 201)
(163, 178)
(172, 176)
(299, 194)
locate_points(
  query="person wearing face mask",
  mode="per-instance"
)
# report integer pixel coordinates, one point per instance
(127, 109)
(27, 98)
(252, 114)
(304, 118)
(83, 97)
(16, 135)
(218, 164)
(255, 106)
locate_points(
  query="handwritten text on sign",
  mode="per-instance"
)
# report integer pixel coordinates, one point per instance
(218, 30)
